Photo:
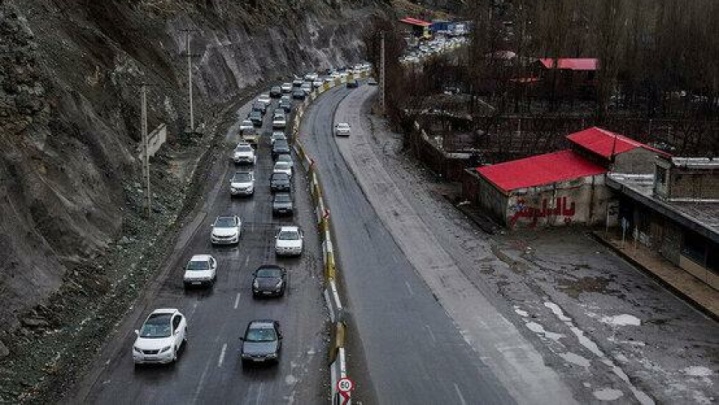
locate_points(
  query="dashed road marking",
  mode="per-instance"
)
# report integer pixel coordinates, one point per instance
(237, 300)
(222, 355)
(431, 334)
(459, 394)
(409, 288)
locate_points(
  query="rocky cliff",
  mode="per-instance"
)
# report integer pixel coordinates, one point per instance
(70, 72)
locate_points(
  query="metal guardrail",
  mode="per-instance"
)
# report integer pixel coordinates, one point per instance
(337, 352)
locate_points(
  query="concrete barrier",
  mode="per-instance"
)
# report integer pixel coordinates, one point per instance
(155, 140)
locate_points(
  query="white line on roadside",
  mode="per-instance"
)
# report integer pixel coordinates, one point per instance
(409, 288)
(237, 300)
(431, 334)
(459, 394)
(247, 260)
(222, 355)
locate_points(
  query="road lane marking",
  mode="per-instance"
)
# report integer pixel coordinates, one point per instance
(237, 300)
(259, 394)
(431, 334)
(222, 355)
(200, 384)
(409, 288)
(459, 394)
(247, 260)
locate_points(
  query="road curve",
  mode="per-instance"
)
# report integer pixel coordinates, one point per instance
(209, 369)
(413, 352)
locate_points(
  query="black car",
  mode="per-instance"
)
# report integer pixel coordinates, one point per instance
(269, 280)
(262, 342)
(259, 106)
(276, 92)
(280, 182)
(282, 204)
(286, 105)
(298, 94)
(352, 84)
(279, 147)
(256, 118)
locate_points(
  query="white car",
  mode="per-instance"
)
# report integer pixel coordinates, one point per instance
(307, 87)
(160, 337)
(317, 82)
(226, 230)
(342, 129)
(244, 154)
(310, 77)
(279, 122)
(284, 157)
(242, 183)
(329, 79)
(286, 87)
(289, 241)
(246, 125)
(283, 167)
(265, 98)
(200, 270)
(277, 135)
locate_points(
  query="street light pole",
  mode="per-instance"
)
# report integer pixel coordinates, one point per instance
(145, 150)
(382, 77)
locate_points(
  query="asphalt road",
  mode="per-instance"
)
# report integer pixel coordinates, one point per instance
(408, 350)
(209, 369)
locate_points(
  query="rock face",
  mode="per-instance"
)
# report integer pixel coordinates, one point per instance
(69, 107)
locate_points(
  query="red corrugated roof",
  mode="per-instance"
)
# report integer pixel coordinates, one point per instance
(571, 63)
(603, 142)
(415, 21)
(539, 170)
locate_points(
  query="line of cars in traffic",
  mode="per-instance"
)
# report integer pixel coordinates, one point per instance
(165, 330)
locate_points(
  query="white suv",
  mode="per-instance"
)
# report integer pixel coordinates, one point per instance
(226, 230)
(244, 153)
(200, 270)
(242, 183)
(160, 338)
(289, 241)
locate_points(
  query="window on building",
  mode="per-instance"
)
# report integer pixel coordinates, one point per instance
(661, 175)
(695, 247)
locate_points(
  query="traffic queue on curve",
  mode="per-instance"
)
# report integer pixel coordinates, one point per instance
(163, 333)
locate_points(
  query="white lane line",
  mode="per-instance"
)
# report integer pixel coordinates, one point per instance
(201, 383)
(459, 394)
(259, 395)
(409, 288)
(222, 355)
(237, 300)
(431, 334)
(247, 260)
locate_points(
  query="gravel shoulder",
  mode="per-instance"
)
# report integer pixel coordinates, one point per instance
(601, 327)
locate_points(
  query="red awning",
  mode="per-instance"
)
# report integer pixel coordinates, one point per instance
(416, 22)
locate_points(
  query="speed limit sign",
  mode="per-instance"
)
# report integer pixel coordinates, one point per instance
(345, 385)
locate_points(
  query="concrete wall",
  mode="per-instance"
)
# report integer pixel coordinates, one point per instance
(637, 161)
(688, 183)
(477, 190)
(154, 141)
(667, 237)
(578, 201)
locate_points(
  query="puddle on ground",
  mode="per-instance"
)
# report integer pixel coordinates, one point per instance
(521, 312)
(608, 394)
(575, 359)
(621, 320)
(575, 287)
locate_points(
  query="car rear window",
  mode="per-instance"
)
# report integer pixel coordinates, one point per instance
(198, 265)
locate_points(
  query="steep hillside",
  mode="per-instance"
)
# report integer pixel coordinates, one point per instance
(70, 72)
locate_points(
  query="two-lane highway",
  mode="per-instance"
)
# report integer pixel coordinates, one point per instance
(209, 370)
(413, 351)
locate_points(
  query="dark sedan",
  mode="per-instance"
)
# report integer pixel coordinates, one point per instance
(298, 94)
(262, 342)
(351, 84)
(269, 281)
(282, 204)
(276, 92)
(279, 147)
(280, 182)
(256, 118)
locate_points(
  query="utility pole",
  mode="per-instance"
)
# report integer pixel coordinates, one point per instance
(189, 56)
(382, 77)
(145, 150)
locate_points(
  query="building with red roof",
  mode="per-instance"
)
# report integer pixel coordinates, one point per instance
(562, 187)
(565, 78)
(584, 64)
(418, 28)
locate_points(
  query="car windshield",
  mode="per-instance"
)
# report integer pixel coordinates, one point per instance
(156, 326)
(225, 222)
(241, 178)
(246, 122)
(269, 272)
(261, 335)
(280, 177)
(343, 126)
(288, 235)
(282, 166)
(284, 158)
(198, 265)
(281, 143)
(244, 148)
(282, 198)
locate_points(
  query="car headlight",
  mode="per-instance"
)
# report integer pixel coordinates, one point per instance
(256, 284)
(272, 356)
(279, 284)
(164, 349)
(136, 350)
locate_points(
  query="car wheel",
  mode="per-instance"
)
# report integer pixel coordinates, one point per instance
(174, 355)
(185, 339)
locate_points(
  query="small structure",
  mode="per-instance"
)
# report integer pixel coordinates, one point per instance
(675, 211)
(566, 76)
(559, 188)
(418, 28)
